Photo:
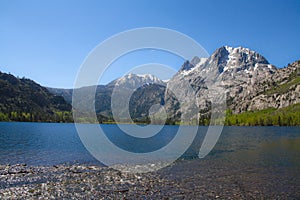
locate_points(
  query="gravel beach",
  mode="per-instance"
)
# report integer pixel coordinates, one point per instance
(183, 180)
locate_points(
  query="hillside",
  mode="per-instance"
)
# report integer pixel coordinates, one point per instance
(287, 116)
(22, 99)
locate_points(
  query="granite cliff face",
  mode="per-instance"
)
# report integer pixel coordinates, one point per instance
(279, 91)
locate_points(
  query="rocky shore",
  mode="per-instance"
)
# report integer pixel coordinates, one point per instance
(189, 180)
(80, 182)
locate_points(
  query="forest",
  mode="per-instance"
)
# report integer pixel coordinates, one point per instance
(288, 116)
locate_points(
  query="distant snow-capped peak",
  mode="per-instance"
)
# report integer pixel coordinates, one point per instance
(134, 81)
(147, 78)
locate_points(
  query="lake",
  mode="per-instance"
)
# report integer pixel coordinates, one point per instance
(57, 143)
(246, 163)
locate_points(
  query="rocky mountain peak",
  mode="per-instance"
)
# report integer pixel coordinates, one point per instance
(187, 65)
(239, 71)
(236, 59)
(228, 60)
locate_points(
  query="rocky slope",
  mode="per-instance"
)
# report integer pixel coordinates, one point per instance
(281, 90)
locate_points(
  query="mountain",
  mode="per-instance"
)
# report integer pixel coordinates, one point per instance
(250, 82)
(255, 91)
(65, 93)
(146, 90)
(24, 100)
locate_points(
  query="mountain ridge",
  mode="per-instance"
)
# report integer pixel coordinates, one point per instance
(250, 82)
(248, 78)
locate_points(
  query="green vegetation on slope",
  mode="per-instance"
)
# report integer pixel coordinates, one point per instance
(288, 116)
(283, 88)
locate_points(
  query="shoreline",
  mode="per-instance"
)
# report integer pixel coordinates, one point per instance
(205, 179)
(79, 181)
(150, 124)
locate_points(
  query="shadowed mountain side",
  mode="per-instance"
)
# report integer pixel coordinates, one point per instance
(22, 99)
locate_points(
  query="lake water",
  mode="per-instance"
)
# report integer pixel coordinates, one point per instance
(54, 143)
(246, 163)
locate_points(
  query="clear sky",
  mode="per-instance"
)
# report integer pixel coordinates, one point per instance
(47, 41)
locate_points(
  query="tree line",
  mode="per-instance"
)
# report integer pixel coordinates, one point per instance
(59, 116)
(289, 116)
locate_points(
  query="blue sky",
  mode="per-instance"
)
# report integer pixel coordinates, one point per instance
(47, 41)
